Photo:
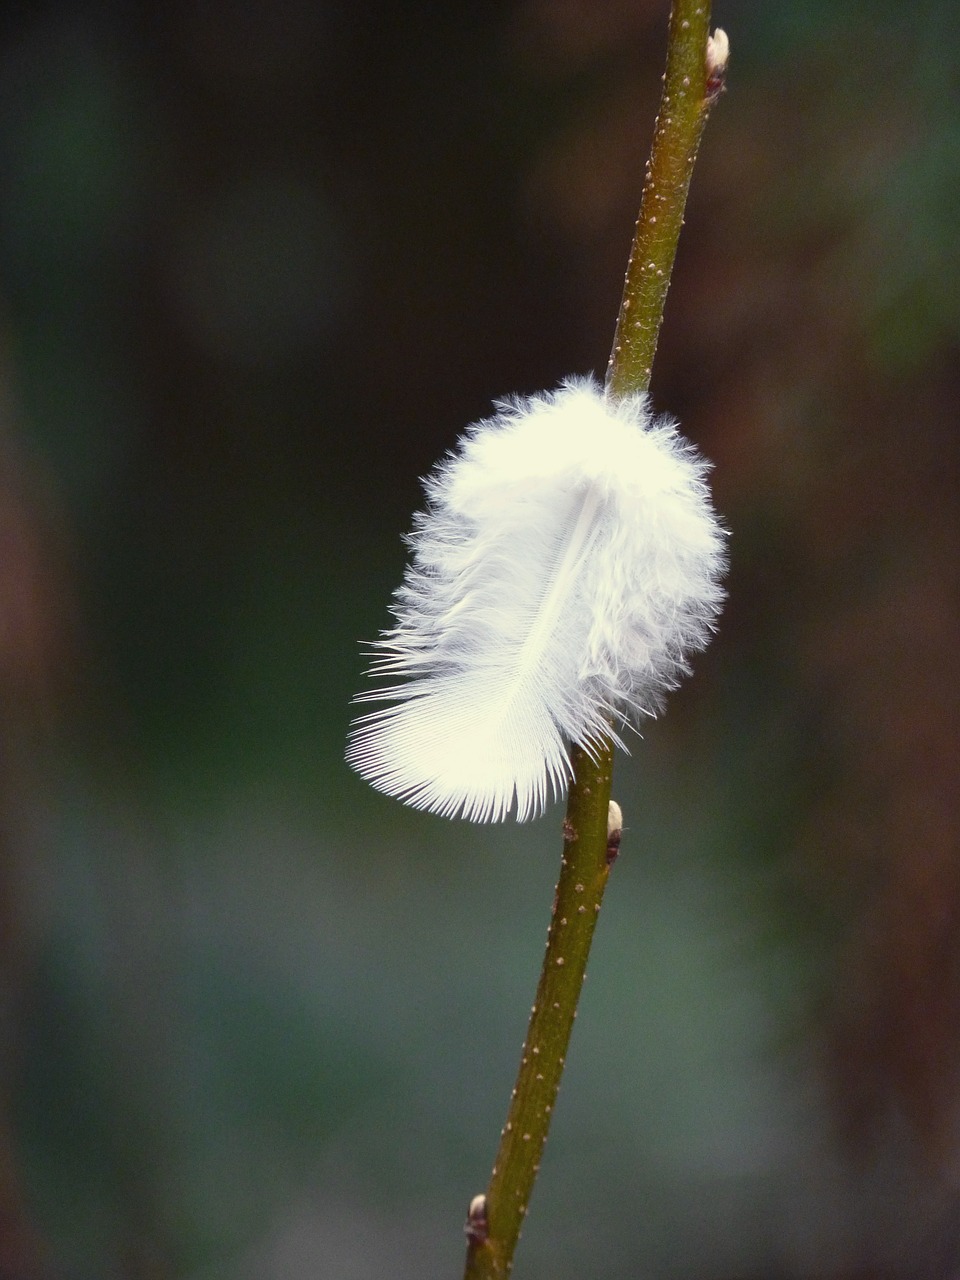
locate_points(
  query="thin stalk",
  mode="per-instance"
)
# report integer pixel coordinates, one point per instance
(495, 1219)
(494, 1228)
(690, 88)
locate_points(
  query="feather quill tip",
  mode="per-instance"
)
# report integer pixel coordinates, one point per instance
(567, 563)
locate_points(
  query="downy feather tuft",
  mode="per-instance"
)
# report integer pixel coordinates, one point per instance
(567, 563)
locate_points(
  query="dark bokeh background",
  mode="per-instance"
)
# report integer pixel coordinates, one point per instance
(259, 265)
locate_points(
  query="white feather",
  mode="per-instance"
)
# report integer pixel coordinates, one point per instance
(566, 565)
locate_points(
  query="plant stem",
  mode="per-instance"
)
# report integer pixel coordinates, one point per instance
(684, 106)
(583, 878)
(495, 1220)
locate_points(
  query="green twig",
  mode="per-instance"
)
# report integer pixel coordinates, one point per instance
(691, 85)
(495, 1221)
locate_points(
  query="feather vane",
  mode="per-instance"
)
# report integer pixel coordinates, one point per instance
(567, 564)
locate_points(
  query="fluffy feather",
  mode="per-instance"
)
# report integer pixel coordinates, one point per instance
(566, 565)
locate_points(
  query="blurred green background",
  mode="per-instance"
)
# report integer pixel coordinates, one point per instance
(259, 265)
